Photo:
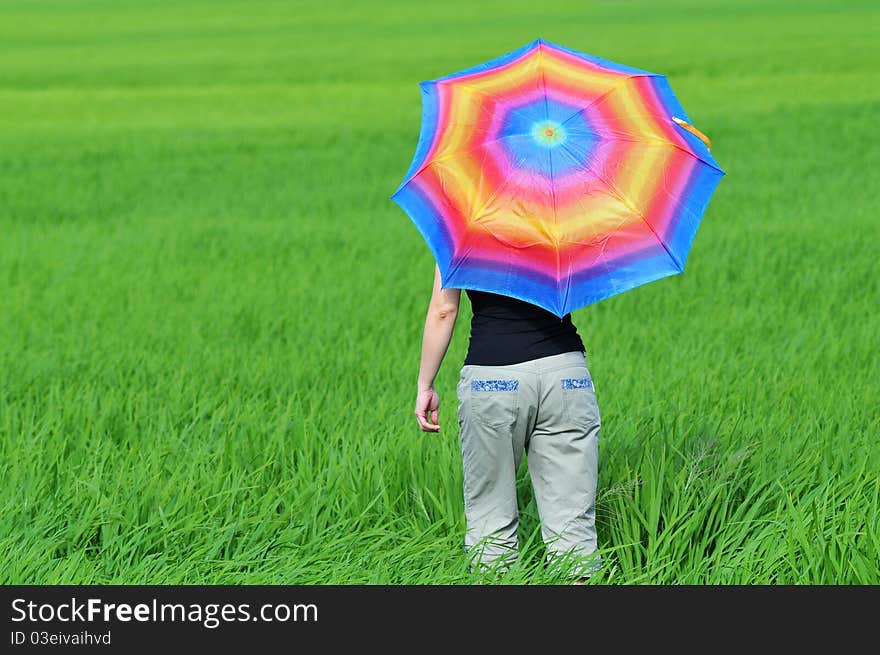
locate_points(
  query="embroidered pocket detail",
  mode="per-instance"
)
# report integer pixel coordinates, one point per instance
(577, 383)
(494, 403)
(579, 402)
(494, 385)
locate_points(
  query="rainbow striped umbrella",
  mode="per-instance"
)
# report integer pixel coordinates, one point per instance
(556, 177)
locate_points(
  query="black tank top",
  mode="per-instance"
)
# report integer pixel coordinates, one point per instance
(507, 330)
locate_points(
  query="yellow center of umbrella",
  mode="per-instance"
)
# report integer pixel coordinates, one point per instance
(548, 133)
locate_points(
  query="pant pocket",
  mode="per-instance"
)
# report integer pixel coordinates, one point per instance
(579, 404)
(494, 400)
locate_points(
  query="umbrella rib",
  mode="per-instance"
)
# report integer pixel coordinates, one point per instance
(454, 82)
(552, 180)
(607, 93)
(658, 119)
(451, 154)
(632, 206)
(661, 142)
(458, 261)
(475, 90)
(513, 171)
(455, 153)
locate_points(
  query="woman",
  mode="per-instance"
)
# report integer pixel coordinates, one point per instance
(524, 386)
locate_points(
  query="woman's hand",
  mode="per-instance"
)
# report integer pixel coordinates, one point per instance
(427, 404)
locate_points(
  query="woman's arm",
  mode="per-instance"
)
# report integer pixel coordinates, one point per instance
(439, 324)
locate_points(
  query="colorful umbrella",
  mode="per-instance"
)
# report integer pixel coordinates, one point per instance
(556, 177)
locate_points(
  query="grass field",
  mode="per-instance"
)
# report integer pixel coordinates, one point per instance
(211, 311)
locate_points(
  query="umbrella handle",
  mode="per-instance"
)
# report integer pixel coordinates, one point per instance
(693, 130)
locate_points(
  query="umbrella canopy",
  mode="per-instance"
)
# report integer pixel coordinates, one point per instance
(556, 177)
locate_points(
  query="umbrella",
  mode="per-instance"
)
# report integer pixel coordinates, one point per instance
(556, 177)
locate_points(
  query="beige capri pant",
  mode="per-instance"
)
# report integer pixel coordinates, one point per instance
(547, 408)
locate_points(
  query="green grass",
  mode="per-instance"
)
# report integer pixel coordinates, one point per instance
(211, 311)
